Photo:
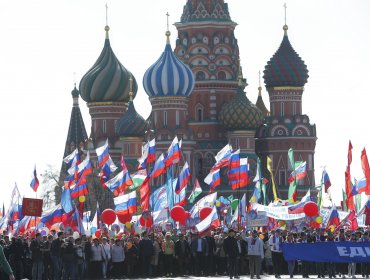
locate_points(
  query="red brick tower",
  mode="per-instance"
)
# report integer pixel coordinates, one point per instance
(206, 43)
(285, 76)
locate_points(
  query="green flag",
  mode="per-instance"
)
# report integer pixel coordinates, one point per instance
(197, 190)
(344, 206)
(291, 158)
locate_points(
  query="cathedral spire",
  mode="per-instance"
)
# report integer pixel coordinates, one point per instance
(168, 33)
(106, 28)
(285, 27)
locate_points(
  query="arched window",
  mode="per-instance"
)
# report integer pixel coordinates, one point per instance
(199, 110)
(165, 118)
(294, 108)
(198, 161)
(200, 76)
(221, 75)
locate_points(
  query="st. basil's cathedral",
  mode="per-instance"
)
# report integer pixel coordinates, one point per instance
(197, 93)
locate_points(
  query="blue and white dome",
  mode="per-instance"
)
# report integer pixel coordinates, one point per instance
(168, 76)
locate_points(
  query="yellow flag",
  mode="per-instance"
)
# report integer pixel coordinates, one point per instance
(269, 161)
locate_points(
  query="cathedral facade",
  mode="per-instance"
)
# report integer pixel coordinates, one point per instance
(197, 93)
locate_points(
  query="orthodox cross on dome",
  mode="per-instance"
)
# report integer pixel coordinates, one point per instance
(106, 22)
(131, 94)
(259, 83)
(285, 27)
(106, 14)
(168, 33)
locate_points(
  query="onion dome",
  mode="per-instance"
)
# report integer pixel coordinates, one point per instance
(240, 113)
(75, 93)
(168, 76)
(131, 124)
(107, 80)
(285, 68)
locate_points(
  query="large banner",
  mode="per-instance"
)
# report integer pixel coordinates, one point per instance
(277, 212)
(32, 207)
(336, 252)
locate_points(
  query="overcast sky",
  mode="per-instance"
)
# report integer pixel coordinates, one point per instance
(45, 42)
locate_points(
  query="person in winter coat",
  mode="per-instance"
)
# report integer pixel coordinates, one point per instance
(232, 252)
(5, 265)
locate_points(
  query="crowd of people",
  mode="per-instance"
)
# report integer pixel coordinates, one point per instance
(222, 252)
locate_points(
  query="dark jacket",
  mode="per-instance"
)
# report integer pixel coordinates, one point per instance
(56, 248)
(231, 247)
(182, 248)
(194, 245)
(146, 248)
(35, 248)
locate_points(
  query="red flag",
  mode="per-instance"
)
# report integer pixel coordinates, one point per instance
(366, 170)
(348, 183)
(349, 153)
(145, 194)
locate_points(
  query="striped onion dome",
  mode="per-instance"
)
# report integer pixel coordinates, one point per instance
(168, 76)
(107, 80)
(285, 68)
(131, 124)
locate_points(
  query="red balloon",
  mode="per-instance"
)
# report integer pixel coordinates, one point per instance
(311, 209)
(124, 217)
(178, 213)
(108, 216)
(146, 223)
(204, 212)
(98, 233)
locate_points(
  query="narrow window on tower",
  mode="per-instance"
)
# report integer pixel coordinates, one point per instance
(177, 118)
(165, 118)
(104, 126)
(282, 109)
(282, 177)
(294, 108)
(273, 109)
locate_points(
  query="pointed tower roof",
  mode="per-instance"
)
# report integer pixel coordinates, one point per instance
(285, 68)
(76, 131)
(259, 103)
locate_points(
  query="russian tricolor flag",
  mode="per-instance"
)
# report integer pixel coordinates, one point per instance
(326, 180)
(159, 167)
(35, 181)
(298, 208)
(222, 157)
(234, 166)
(242, 179)
(213, 179)
(183, 178)
(333, 218)
(85, 167)
(69, 159)
(126, 203)
(103, 154)
(299, 173)
(79, 190)
(52, 216)
(173, 153)
(151, 151)
(108, 168)
(120, 183)
(359, 186)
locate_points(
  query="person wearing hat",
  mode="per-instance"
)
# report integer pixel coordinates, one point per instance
(275, 242)
(255, 253)
(168, 248)
(232, 252)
